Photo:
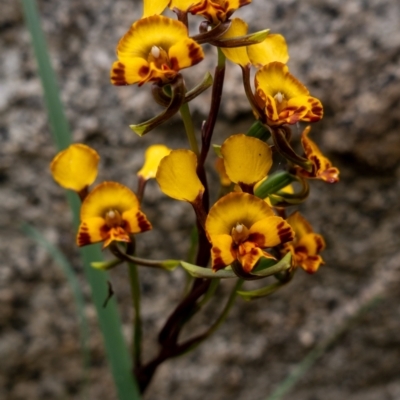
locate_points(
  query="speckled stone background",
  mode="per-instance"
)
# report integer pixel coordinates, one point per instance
(347, 53)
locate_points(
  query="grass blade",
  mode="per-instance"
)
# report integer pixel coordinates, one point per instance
(109, 320)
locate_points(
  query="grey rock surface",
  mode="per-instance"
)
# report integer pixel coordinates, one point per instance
(347, 54)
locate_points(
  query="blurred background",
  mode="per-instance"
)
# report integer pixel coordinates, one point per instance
(347, 54)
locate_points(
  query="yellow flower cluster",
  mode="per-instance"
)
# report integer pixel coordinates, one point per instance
(243, 229)
(248, 222)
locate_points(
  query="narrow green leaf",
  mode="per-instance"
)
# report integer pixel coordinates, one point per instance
(259, 131)
(109, 320)
(275, 182)
(200, 272)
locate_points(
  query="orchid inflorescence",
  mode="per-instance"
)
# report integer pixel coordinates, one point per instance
(246, 234)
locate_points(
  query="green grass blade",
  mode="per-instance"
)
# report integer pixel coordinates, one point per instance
(69, 273)
(109, 320)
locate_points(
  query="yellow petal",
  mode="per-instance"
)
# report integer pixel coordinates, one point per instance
(237, 55)
(154, 7)
(300, 225)
(249, 254)
(211, 10)
(311, 264)
(247, 159)
(108, 196)
(91, 230)
(182, 5)
(154, 49)
(315, 110)
(310, 244)
(154, 154)
(273, 48)
(184, 54)
(323, 168)
(177, 176)
(270, 232)
(75, 167)
(97, 223)
(275, 78)
(135, 221)
(233, 5)
(145, 33)
(216, 10)
(222, 254)
(133, 70)
(234, 208)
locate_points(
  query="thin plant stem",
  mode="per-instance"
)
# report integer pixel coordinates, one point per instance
(194, 342)
(189, 127)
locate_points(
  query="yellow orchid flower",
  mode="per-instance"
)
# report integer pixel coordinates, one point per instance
(306, 245)
(154, 49)
(154, 7)
(75, 168)
(322, 167)
(284, 99)
(272, 48)
(215, 11)
(110, 212)
(177, 176)
(247, 159)
(239, 226)
(154, 154)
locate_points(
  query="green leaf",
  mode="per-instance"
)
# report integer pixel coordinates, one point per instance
(240, 41)
(109, 320)
(274, 183)
(105, 265)
(200, 272)
(259, 131)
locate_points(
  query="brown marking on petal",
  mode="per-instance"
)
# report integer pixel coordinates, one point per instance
(285, 234)
(83, 239)
(118, 75)
(270, 110)
(83, 236)
(316, 161)
(244, 2)
(317, 110)
(196, 55)
(144, 70)
(217, 259)
(143, 223)
(319, 243)
(174, 63)
(301, 249)
(258, 238)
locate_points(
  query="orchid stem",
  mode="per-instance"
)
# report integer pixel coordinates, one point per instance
(190, 132)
